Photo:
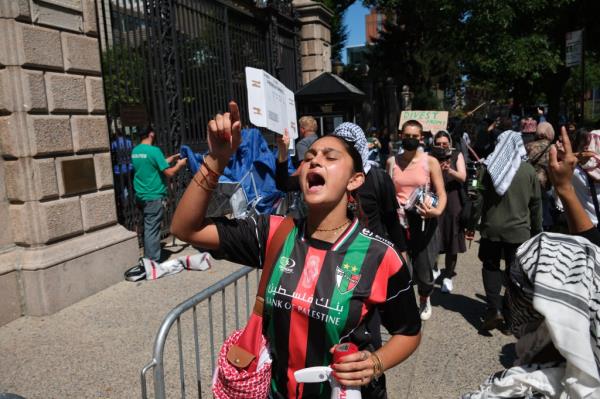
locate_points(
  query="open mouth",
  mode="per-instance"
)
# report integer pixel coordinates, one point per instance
(315, 182)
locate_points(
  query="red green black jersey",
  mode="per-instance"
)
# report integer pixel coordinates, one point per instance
(321, 294)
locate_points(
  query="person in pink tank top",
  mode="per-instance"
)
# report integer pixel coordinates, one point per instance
(415, 170)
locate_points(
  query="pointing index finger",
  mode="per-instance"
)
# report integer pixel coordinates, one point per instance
(234, 111)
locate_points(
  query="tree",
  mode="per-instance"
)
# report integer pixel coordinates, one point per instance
(513, 47)
(419, 46)
(339, 33)
(123, 78)
(519, 45)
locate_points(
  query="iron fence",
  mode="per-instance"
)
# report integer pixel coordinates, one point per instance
(186, 354)
(172, 64)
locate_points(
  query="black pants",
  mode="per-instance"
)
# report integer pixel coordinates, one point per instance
(423, 250)
(490, 253)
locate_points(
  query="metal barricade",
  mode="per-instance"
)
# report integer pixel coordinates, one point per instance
(175, 316)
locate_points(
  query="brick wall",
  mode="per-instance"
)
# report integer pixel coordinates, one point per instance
(51, 110)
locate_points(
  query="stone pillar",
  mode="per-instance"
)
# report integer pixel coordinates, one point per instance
(60, 241)
(315, 44)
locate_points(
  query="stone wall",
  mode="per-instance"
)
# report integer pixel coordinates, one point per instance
(315, 38)
(55, 247)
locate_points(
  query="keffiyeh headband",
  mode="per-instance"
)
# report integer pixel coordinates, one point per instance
(355, 135)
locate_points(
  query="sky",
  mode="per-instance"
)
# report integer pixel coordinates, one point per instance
(354, 20)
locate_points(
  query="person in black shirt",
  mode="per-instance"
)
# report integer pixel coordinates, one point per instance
(330, 277)
(376, 196)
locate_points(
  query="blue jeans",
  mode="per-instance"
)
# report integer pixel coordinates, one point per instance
(153, 214)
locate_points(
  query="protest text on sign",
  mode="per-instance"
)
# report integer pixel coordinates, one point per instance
(432, 121)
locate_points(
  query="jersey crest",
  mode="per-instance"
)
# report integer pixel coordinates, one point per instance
(345, 279)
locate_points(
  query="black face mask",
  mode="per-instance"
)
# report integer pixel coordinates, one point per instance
(410, 143)
(440, 153)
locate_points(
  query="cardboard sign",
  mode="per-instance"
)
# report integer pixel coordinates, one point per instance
(432, 121)
(271, 104)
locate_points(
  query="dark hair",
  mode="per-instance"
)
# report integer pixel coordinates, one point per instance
(579, 139)
(357, 164)
(443, 133)
(145, 132)
(505, 123)
(414, 123)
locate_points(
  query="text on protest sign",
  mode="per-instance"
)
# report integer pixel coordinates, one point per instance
(270, 103)
(432, 121)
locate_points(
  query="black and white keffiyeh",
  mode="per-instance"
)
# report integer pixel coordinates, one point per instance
(565, 274)
(503, 163)
(355, 135)
(553, 295)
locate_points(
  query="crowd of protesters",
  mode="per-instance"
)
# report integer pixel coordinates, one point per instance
(378, 219)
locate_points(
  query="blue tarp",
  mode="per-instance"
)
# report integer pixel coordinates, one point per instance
(252, 155)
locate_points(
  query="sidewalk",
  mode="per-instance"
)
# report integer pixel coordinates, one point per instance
(96, 348)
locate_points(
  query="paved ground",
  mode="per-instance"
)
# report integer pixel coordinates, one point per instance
(95, 348)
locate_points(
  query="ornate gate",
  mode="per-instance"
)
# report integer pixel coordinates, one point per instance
(172, 64)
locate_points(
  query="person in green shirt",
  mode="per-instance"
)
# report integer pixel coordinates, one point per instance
(511, 214)
(151, 170)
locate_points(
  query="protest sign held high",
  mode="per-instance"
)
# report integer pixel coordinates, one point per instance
(432, 121)
(270, 103)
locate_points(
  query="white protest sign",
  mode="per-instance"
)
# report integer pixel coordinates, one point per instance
(432, 121)
(271, 104)
(574, 46)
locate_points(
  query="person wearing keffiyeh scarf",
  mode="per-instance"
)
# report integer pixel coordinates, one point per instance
(376, 196)
(511, 214)
(553, 298)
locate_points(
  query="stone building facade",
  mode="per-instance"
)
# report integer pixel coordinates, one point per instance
(315, 45)
(59, 241)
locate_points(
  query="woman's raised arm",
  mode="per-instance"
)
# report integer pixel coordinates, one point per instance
(189, 222)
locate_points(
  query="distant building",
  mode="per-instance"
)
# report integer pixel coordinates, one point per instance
(374, 23)
(357, 55)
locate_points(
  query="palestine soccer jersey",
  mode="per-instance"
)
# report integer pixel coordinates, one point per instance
(321, 294)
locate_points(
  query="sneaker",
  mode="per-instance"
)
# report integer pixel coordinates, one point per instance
(425, 309)
(436, 274)
(447, 286)
(136, 273)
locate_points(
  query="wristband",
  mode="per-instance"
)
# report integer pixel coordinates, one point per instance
(204, 182)
(377, 366)
(208, 168)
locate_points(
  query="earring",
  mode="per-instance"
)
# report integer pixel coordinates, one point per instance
(351, 203)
